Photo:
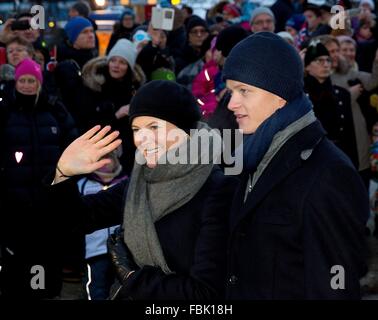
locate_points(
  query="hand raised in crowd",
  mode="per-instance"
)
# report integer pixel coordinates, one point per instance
(84, 155)
(155, 35)
(122, 112)
(302, 54)
(7, 31)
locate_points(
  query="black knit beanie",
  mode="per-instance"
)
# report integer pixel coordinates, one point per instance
(166, 100)
(314, 50)
(266, 61)
(228, 38)
(195, 21)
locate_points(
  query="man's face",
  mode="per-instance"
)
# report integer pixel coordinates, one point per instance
(312, 19)
(334, 52)
(251, 105)
(16, 53)
(263, 22)
(348, 50)
(197, 36)
(73, 13)
(86, 39)
(30, 35)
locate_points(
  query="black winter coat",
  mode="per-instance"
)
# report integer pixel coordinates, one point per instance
(304, 216)
(332, 106)
(32, 139)
(193, 238)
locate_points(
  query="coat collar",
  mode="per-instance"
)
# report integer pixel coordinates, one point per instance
(291, 156)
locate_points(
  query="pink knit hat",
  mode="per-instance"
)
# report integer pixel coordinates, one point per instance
(28, 66)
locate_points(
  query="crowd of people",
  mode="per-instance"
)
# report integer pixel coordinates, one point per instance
(75, 200)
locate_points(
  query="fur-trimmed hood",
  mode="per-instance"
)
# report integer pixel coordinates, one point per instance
(94, 74)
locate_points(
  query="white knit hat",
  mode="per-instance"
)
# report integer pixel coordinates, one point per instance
(369, 2)
(124, 49)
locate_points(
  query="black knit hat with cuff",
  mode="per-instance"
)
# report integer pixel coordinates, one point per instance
(266, 61)
(166, 100)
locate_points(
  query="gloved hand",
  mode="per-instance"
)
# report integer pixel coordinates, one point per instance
(120, 255)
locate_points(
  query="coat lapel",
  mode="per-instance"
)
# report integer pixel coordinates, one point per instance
(291, 156)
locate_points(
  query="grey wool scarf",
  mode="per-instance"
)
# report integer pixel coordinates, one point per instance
(154, 193)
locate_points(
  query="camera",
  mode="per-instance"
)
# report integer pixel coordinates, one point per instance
(162, 18)
(353, 82)
(20, 25)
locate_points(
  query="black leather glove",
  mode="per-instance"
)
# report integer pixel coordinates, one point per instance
(120, 255)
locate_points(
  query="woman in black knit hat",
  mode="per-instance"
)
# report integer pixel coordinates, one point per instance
(174, 213)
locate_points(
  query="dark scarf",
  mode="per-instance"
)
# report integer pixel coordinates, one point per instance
(81, 56)
(257, 144)
(25, 102)
(319, 92)
(119, 92)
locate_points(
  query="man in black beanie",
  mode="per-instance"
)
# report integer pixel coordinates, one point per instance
(296, 229)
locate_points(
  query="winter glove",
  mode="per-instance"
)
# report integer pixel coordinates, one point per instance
(120, 255)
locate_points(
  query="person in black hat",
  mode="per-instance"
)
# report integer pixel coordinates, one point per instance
(295, 230)
(197, 32)
(331, 103)
(174, 213)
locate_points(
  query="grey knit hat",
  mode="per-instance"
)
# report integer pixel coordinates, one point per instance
(125, 49)
(260, 10)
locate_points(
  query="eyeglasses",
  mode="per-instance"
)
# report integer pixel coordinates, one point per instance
(323, 61)
(198, 32)
(16, 50)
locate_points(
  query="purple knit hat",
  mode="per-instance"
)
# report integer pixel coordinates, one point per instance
(28, 66)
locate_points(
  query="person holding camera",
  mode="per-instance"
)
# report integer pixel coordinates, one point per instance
(20, 26)
(174, 214)
(155, 57)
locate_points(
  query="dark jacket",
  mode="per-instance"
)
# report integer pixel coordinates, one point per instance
(282, 10)
(120, 32)
(193, 238)
(151, 58)
(332, 106)
(304, 216)
(187, 56)
(36, 135)
(101, 96)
